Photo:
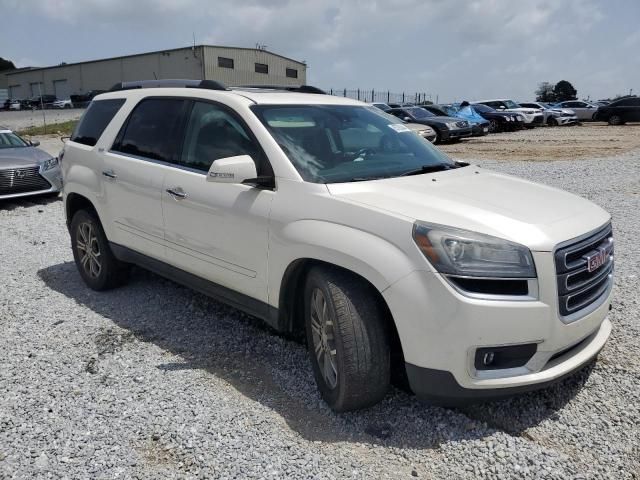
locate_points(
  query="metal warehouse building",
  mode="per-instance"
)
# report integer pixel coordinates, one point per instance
(229, 65)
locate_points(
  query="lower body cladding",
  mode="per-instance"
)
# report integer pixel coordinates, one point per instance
(27, 181)
(459, 349)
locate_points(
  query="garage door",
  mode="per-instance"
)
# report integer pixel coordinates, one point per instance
(61, 89)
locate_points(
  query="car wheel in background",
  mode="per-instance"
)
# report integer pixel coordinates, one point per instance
(95, 261)
(552, 122)
(438, 138)
(494, 126)
(615, 120)
(347, 339)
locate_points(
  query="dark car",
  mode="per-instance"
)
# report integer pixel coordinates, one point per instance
(620, 111)
(83, 99)
(499, 121)
(40, 101)
(401, 105)
(479, 125)
(448, 129)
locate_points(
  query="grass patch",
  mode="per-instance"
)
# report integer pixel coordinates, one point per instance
(63, 128)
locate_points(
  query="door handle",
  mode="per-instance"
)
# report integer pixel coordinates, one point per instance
(109, 174)
(177, 193)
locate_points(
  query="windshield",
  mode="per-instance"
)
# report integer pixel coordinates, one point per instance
(511, 104)
(11, 140)
(344, 143)
(479, 107)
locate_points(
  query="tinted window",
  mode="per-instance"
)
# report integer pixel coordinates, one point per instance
(151, 129)
(95, 120)
(225, 62)
(627, 102)
(292, 73)
(11, 140)
(262, 68)
(213, 133)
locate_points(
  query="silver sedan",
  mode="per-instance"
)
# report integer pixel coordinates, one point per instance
(25, 169)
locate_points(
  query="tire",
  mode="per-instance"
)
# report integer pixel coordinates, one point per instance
(494, 126)
(438, 138)
(347, 339)
(615, 120)
(552, 122)
(99, 268)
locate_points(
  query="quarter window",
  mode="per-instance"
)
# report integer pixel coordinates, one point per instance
(152, 129)
(95, 120)
(213, 133)
(262, 68)
(292, 73)
(225, 62)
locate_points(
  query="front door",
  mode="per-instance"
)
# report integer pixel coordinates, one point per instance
(217, 231)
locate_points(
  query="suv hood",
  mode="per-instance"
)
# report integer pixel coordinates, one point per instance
(474, 199)
(22, 157)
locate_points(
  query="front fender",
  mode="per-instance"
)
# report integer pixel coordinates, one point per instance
(372, 257)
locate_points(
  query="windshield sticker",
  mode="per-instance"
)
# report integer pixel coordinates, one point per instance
(398, 127)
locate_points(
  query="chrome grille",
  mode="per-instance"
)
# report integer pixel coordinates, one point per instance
(578, 286)
(21, 180)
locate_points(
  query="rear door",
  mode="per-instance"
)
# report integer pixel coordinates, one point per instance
(217, 231)
(134, 171)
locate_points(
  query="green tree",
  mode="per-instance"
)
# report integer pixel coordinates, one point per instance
(6, 65)
(564, 91)
(545, 92)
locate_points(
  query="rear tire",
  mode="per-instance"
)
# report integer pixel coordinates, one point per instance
(347, 339)
(552, 122)
(95, 261)
(438, 138)
(615, 120)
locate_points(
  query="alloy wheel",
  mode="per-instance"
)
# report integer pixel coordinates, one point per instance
(322, 331)
(88, 249)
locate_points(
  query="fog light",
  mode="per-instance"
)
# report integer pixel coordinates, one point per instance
(496, 358)
(487, 359)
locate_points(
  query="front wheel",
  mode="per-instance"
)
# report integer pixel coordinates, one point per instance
(95, 261)
(552, 122)
(494, 126)
(347, 339)
(615, 120)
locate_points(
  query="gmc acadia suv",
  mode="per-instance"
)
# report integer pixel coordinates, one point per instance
(329, 219)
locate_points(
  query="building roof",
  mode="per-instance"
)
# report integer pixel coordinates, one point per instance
(33, 69)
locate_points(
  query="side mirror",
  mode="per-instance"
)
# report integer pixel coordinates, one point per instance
(34, 143)
(232, 170)
(501, 107)
(406, 119)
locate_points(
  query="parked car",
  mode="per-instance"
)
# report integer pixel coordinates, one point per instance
(41, 101)
(553, 115)
(532, 116)
(62, 104)
(425, 131)
(479, 125)
(583, 110)
(401, 105)
(323, 217)
(81, 100)
(499, 121)
(448, 129)
(382, 106)
(25, 169)
(619, 112)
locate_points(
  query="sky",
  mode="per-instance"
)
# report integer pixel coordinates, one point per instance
(449, 49)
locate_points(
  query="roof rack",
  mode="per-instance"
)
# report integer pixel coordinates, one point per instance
(177, 83)
(288, 88)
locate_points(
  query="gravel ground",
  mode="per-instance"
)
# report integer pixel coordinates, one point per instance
(21, 119)
(154, 381)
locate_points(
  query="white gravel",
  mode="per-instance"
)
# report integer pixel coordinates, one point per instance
(155, 381)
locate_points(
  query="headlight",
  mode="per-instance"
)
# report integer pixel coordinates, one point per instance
(452, 125)
(508, 119)
(453, 251)
(49, 164)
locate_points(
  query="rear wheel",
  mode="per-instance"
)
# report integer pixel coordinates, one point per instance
(615, 120)
(438, 138)
(552, 122)
(95, 261)
(347, 339)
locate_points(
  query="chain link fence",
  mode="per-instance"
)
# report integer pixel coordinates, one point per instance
(383, 96)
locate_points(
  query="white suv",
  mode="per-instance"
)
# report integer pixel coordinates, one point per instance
(326, 218)
(531, 116)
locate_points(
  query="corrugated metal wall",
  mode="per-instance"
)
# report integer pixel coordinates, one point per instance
(179, 63)
(243, 72)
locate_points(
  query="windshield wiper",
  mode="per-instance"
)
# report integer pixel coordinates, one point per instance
(433, 168)
(364, 179)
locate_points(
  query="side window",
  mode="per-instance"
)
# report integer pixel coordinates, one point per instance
(213, 133)
(95, 120)
(151, 129)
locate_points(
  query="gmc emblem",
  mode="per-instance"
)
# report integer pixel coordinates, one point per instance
(596, 260)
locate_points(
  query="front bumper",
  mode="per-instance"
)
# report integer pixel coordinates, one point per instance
(46, 183)
(440, 330)
(480, 129)
(566, 120)
(455, 134)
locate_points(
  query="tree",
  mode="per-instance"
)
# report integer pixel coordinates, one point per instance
(564, 91)
(545, 93)
(6, 65)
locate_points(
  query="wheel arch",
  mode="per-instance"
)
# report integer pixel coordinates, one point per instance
(75, 202)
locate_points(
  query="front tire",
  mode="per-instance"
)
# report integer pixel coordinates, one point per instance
(494, 126)
(552, 122)
(95, 261)
(347, 339)
(615, 120)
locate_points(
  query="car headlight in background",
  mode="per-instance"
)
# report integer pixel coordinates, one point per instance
(454, 251)
(508, 119)
(49, 164)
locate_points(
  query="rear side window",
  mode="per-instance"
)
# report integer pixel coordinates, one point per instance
(95, 120)
(152, 129)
